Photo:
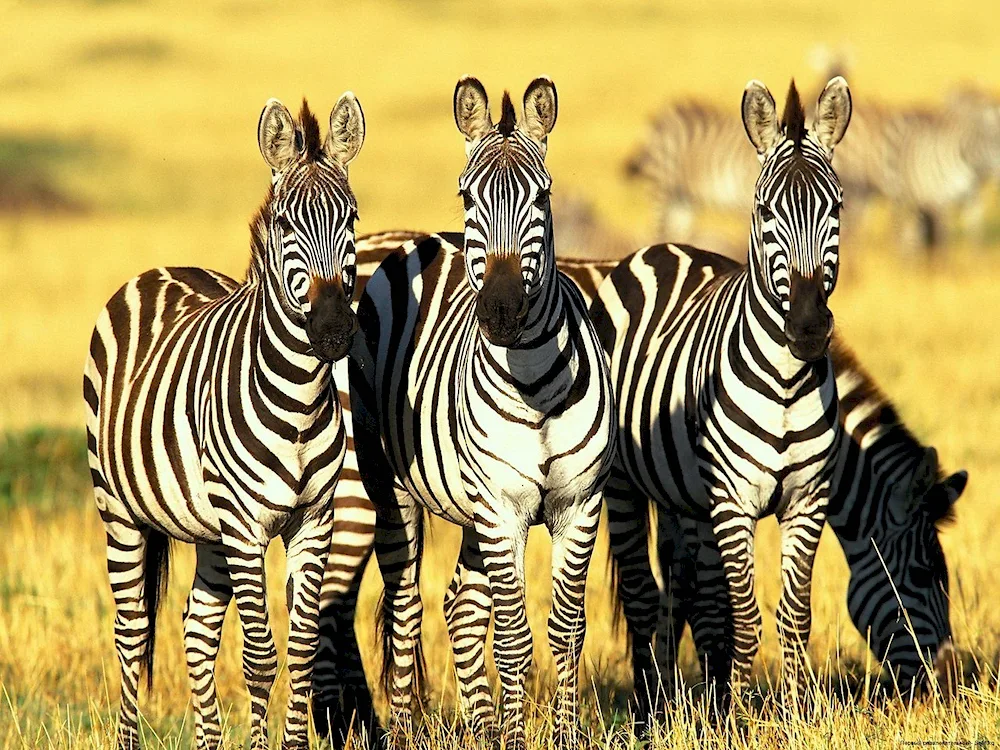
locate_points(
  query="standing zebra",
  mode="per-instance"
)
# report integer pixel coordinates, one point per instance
(210, 421)
(483, 396)
(888, 502)
(875, 473)
(727, 399)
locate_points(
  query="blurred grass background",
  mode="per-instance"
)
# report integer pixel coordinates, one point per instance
(128, 140)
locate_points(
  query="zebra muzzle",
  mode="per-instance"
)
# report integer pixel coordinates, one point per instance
(502, 303)
(330, 322)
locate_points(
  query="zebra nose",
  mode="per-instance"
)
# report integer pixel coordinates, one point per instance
(502, 303)
(330, 321)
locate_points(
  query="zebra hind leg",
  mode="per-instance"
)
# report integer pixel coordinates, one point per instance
(341, 698)
(307, 546)
(204, 615)
(127, 574)
(572, 547)
(635, 587)
(467, 608)
(502, 539)
(398, 548)
(709, 611)
(678, 575)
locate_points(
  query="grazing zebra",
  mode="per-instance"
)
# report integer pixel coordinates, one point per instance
(482, 395)
(888, 502)
(727, 399)
(210, 421)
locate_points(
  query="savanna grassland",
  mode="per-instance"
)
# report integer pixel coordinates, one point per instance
(127, 140)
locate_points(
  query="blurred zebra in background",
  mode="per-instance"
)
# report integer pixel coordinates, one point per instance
(926, 163)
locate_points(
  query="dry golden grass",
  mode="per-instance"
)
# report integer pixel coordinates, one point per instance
(160, 108)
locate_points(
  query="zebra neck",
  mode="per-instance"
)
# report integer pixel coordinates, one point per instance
(286, 376)
(761, 328)
(541, 361)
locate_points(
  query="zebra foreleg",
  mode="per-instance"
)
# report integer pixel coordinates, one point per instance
(573, 534)
(799, 541)
(503, 533)
(636, 590)
(245, 559)
(127, 573)
(341, 697)
(735, 535)
(204, 614)
(467, 608)
(398, 546)
(308, 547)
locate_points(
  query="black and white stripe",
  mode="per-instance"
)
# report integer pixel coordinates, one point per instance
(727, 400)
(483, 396)
(210, 421)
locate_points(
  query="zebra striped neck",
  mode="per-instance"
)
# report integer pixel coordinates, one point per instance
(286, 375)
(764, 322)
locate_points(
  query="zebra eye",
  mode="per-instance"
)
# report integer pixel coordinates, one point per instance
(765, 213)
(350, 222)
(467, 200)
(283, 225)
(542, 199)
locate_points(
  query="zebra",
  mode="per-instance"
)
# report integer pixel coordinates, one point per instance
(481, 394)
(888, 504)
(727, 399)
(209, 420)
(923, 604)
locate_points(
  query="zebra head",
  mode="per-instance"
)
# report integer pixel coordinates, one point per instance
(509, 253)
(310, 242)
(795, 235)
(904, 570)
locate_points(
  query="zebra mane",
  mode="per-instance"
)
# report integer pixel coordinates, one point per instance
(793, 119)
(312, 146)
(844, 360)
(259, 228)
(508, 117)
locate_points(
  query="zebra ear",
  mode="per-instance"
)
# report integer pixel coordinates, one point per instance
(278, 136)
(347, 130)
(760, 117)
(833, 113)
(472, 109)
(541, 106)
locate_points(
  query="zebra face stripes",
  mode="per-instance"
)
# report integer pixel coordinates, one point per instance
(795, 235)
(505, 186)
(311, 232)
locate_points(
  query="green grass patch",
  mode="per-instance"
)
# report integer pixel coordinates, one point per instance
(39, 465)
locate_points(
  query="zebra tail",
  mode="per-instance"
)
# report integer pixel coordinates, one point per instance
(157, 574)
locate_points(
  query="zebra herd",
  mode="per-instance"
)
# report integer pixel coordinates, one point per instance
(931, 165)
(484, 381)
